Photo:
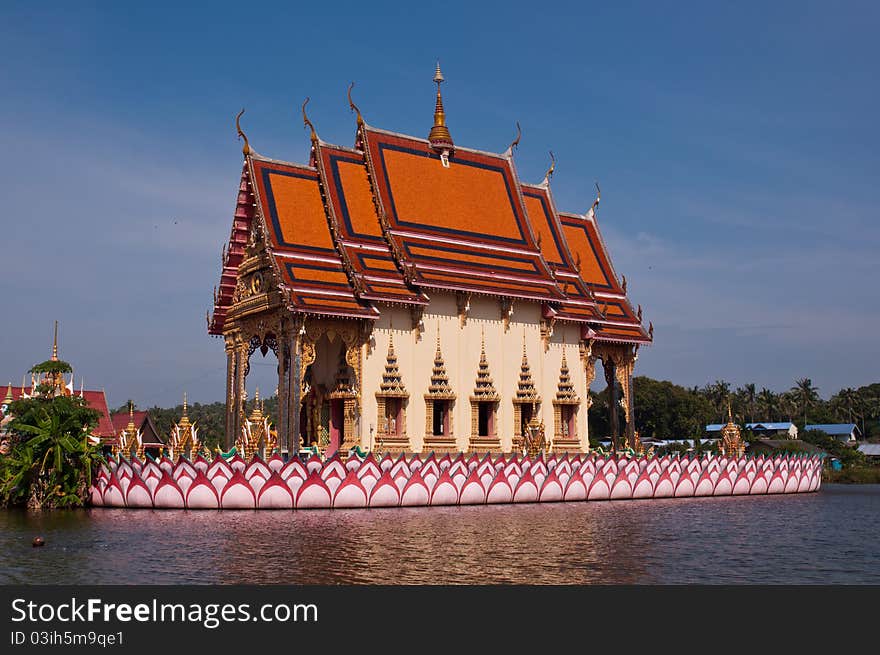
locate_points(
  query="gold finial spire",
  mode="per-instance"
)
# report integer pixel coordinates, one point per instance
(245, 148)
(8, 398)
(439, 137)
(307, 123)
(515, 142)
(729, 413)
(131, 428)
(55, 344)
(354, 107)
(184, 403)
(592, 212)
(550, 170)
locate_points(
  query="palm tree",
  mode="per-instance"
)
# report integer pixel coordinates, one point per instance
(768, 404)
(749, 394)
(718, 394)
(805, 395)
(847, 399)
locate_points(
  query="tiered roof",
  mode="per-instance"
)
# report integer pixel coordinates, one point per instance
(397, 217)
(525, 390)
(392, 382)
(484, 388)
(565, 393)
(440, 388)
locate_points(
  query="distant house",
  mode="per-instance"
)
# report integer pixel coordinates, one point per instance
(764, 430)
(96, 400)
(845, 432)
(150, 437)
(870, 450)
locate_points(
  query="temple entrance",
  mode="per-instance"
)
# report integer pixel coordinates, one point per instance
(325, 423)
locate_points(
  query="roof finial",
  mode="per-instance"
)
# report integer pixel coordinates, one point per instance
(354, 107)
(9, 398)
(184, 403)
(246, 148)
(550, 170)
(307, 122)
(55, 344)
(515, 142)
(439, 137)
(729, 413)
(595, 205)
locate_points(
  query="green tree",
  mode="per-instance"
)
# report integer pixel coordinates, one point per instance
(805, 395)
(52, 457)
(768, 404)
(750, 396)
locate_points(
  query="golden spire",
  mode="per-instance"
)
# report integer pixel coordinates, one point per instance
(184, 419)
(307, 123)
(131, 429)
(55, 344)
(354, 107)
(439, 137)
(245, 148)
(8, 398)
(515, 142)
(257, 413)
(550, 170)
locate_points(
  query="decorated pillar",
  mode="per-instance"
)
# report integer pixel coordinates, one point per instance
(283, 367)
(302, 354)
(624, 371)
(241, 363)
(231, 377)
(589, 362)
(610, 367)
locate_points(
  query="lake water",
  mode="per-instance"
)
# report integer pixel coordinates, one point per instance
(824, 537)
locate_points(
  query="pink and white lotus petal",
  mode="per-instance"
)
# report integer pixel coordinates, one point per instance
(444, 492)
(238, 494)
(202, 494)
(526, 490)
(314, 493)
(168, 495)
(350, 493)
(275, 494)
(622, 488)
(499, 490)
(472, 491)
(416, 493)
(385, 493)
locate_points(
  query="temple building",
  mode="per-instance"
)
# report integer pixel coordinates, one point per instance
(56, 385)
(420, 297)
(138, 422)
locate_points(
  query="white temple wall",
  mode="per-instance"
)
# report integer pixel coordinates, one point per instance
(460, 346)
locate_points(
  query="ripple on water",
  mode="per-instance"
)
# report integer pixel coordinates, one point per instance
(826, 537)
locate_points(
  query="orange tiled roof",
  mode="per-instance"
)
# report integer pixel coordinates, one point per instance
(461, 228)
(585, 240)
(357, 227)
(579, 304)
(289, 198)
(387, 221)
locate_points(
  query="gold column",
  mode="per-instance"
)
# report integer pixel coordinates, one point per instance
(241, 356)
(283, 367)
(231, 377)
(623, 374)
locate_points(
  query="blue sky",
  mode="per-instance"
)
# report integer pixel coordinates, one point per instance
(736, 145)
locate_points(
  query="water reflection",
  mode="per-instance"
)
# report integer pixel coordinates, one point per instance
(812, 538)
